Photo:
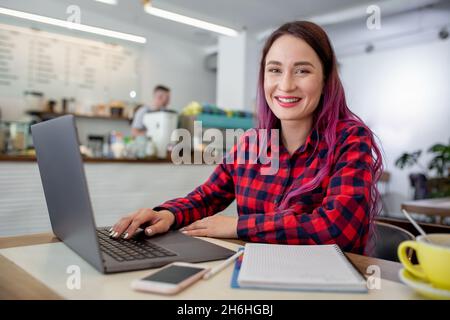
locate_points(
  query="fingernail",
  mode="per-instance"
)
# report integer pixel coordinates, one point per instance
(125, 235)
(111, 233)
(185, 232)
(115, 234)
(182, 229)
(148, 231)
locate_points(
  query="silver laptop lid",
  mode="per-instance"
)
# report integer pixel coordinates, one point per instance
(65, 187)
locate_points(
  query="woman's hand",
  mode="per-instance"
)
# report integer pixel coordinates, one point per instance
(154, 221)
(215, 227)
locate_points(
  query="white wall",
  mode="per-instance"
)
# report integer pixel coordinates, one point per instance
(237, 71)
(231, 71)
(166, 60)
(253, 57)
(403, 95)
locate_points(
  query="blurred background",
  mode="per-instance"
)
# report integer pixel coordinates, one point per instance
(101, 60)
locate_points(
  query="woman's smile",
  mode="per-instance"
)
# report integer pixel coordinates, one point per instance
(288, 101)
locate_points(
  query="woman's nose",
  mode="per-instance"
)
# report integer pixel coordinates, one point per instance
(287, 83)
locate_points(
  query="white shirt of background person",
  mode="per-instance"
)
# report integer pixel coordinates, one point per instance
(161, 98)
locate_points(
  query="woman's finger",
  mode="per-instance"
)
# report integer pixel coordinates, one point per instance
(159, 226)
(120, 226)
(139, 220)
(128, 218)
(131, 230)
(124, 223)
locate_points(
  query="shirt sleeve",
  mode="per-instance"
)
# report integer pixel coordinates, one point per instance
(213, 196)
(138, 120)
(342, 218)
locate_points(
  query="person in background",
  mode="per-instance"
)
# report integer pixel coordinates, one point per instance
(161, 98)
(325, 190)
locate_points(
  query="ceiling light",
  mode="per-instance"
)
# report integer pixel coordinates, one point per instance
(189, 21)
(73, 26)
(113, 2)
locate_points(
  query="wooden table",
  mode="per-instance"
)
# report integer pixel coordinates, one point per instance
(15, 283)
(433, 207)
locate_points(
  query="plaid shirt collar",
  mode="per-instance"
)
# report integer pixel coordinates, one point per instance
(309, 145)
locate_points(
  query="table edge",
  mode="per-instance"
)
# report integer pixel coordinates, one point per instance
(361, 262)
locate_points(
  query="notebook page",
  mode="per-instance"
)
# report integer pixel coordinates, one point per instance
(315, 264)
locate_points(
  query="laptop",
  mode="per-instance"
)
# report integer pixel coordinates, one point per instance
(72, 218)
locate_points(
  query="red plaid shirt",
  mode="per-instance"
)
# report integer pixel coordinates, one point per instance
(335, 212)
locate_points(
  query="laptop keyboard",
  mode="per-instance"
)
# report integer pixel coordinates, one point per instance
(129, 250)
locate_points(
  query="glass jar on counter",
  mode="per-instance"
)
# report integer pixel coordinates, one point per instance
(116, 144)
(141, 146)
(14, 137)
(95, 144)
(150, 150)
(129, 148)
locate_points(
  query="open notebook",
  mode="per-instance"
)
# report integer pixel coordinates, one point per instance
(296, 267)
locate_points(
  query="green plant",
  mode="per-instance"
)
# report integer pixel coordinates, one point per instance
(440, 162)
(437, 185)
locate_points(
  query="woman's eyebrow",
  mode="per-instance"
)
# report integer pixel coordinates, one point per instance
(298, 63)
(273, 62)
(303, 63)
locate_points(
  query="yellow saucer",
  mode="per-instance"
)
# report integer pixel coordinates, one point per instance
(424, 288)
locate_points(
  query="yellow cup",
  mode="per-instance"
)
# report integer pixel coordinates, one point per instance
(433, 257)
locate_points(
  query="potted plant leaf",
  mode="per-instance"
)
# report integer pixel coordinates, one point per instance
(434, 179)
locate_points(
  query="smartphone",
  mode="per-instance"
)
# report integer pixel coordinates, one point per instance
(171, 279)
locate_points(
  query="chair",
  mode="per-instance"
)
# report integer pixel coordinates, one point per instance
(388, 238)
(419, 182)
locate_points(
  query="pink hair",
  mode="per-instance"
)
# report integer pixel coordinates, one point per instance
(332, 108)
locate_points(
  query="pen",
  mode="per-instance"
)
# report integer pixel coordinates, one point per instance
(223, 265)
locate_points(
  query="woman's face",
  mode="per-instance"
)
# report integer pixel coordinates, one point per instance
(293, 79)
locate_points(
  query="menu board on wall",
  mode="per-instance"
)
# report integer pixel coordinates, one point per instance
(65, 66)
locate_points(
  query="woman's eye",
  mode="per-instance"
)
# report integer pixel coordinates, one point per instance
(302, 71)
(273, 70)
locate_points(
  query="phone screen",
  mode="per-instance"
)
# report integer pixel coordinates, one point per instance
(173, 274)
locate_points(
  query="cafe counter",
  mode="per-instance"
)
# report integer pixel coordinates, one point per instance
(116, 187)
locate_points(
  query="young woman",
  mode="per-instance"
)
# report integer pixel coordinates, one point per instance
(325, 189)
